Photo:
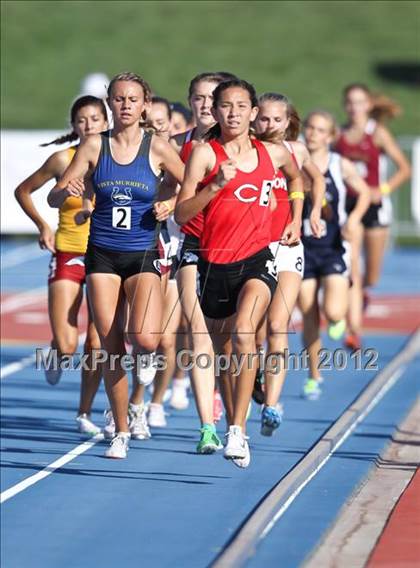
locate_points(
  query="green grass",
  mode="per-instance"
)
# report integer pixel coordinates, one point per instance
(308, 50)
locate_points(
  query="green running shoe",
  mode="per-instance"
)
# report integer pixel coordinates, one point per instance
(311, 390)
(336, 330)
(209, 440)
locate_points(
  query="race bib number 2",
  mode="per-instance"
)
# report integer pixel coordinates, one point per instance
(121, 218)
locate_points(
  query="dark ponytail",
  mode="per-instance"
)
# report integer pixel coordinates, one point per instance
(81, 102)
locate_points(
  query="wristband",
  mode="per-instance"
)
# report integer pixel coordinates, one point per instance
(385, 189)
(168, 205)
(296, 195)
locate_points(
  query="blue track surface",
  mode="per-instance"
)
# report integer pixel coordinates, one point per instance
(165, 506)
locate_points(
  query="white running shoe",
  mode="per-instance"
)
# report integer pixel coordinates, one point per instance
(236, 444)
(138, 422)
(109, 428)
(179, 398)
(244, 462)
(166, 396)
(119, 446)
(147, 368)
(86, 426)
(53, 376)
(156, 415)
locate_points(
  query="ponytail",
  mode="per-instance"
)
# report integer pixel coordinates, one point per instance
(213, 133)
(70, 137)
(81, 102)
(383, 107)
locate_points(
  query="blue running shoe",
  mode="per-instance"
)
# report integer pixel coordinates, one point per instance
(270, 420)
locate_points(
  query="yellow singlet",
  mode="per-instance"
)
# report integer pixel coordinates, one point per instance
(69, 236)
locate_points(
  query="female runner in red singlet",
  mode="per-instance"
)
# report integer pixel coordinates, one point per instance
(363, 140)
(278, 115)
(200, 98)
(230, 179)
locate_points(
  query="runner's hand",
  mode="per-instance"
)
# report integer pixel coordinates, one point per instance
(350, 227)
(162, 210)
(46, 239)
(291, 234)
(76, 187)
(315, 221)
(227, 172)
(82, 216)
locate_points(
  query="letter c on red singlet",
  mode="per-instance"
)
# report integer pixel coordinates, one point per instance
(237, 193)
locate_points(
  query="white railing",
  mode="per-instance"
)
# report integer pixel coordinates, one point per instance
(21, 155)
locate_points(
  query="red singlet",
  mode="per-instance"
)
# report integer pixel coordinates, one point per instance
(237, 222)
(365, 154)
(195, 225)
(282, 215)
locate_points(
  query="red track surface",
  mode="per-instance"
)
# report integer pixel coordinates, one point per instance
(28, 321)
(399, 544)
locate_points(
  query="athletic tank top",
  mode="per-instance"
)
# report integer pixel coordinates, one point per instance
(365, 154)
(237, 222)
(335, 194)
(123, 218)
(282, 215)
(195, 225)
(70, 237)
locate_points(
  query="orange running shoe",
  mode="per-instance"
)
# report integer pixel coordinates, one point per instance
(353, 342)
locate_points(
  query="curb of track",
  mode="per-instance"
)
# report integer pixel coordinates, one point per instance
(243, 544)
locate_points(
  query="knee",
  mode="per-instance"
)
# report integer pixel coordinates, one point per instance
(167, 342)
(244, 337)
(277, 326)
(201, 343)
(66, 346)
(145, 342)
(335, 312)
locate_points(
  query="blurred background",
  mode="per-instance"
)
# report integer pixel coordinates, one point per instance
(307, 50)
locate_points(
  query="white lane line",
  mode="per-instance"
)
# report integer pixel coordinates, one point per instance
(391, 382)
(20, 255)
(244, 544)
(19, 365)
(16, 366)
(23, 299)
(49, 469)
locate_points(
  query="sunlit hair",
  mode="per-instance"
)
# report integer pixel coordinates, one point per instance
(383, 107)
(328, 116)
(293, 129)
(210, 77)
(78, 105)
(134, 78)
